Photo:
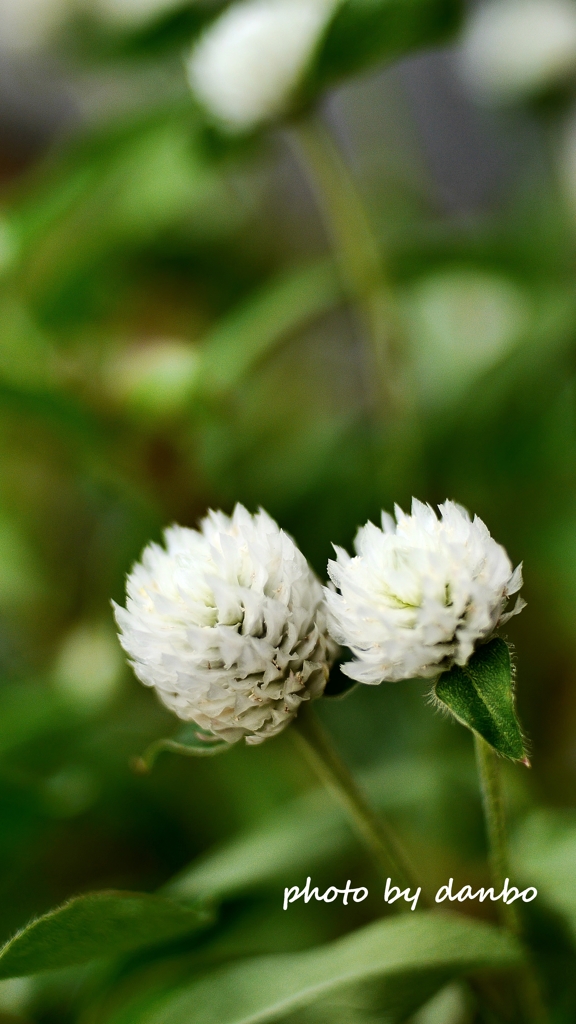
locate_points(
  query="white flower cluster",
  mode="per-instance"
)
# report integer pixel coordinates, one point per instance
(228, 624)
(249, 61)
(420, 593)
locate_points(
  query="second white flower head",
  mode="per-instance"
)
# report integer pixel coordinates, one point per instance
(420, 593)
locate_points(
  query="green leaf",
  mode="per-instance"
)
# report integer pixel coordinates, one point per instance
(28, 710)
(168, 378)
(101, 924)
(480, 695)
(408, 958)
(308, 831)
(367, 32)
(191, 741)
(112, 191)
(282, 307)
(543, 852)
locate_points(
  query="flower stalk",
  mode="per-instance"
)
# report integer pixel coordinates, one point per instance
(493, 805)
(368, 824)
(528, 991)
(358, 256)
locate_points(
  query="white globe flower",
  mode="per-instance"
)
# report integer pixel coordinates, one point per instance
(512, 48)
(228, 624)
(248, 62)
(420, 593)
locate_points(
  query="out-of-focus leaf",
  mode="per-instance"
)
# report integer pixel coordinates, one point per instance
(480, 694)
(21, 578)
(281, 308)
(113, 29)
(309, 831)
(119, 190)
(28, 710)
(449, 1006)
(125, 14)
(26, 356)
(359, 1004)
(191, 741)
(101, 924)
(409, 958)
(163, 378)
(366, 32)
(543, 853)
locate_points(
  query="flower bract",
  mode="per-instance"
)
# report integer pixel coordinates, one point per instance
(228, 624)
(420, 593)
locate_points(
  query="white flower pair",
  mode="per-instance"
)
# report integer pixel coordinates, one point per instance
(233, 629)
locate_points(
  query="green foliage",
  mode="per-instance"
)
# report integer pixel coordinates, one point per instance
(480, 695)
(27, 711)
(366, 32)
(247, 335)
(544, 852)
(174, 335)
(101, 924)
(411, 958)
(307, 832)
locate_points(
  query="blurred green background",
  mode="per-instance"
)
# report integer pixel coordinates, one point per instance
(174, 336)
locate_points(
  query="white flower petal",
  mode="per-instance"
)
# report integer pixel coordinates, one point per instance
(420, 593)
(228, 624)
(250, 59)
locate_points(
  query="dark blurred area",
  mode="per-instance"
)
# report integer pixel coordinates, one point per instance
(171, 339)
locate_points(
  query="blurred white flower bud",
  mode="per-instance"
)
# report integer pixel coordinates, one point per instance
(228, 623)
(248, 62)
(153, 379)
(512, 48)
(88, 669)
(420, 593)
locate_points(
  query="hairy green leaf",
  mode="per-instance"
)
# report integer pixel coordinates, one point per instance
(406, 960)
(480, 695)
(100, 924)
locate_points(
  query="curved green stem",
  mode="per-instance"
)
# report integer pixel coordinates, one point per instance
(362, 271)
(370, 826)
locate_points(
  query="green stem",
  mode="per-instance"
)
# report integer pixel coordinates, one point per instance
(370, 826)
(493, 804)
(529, 995)
(362, 271)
